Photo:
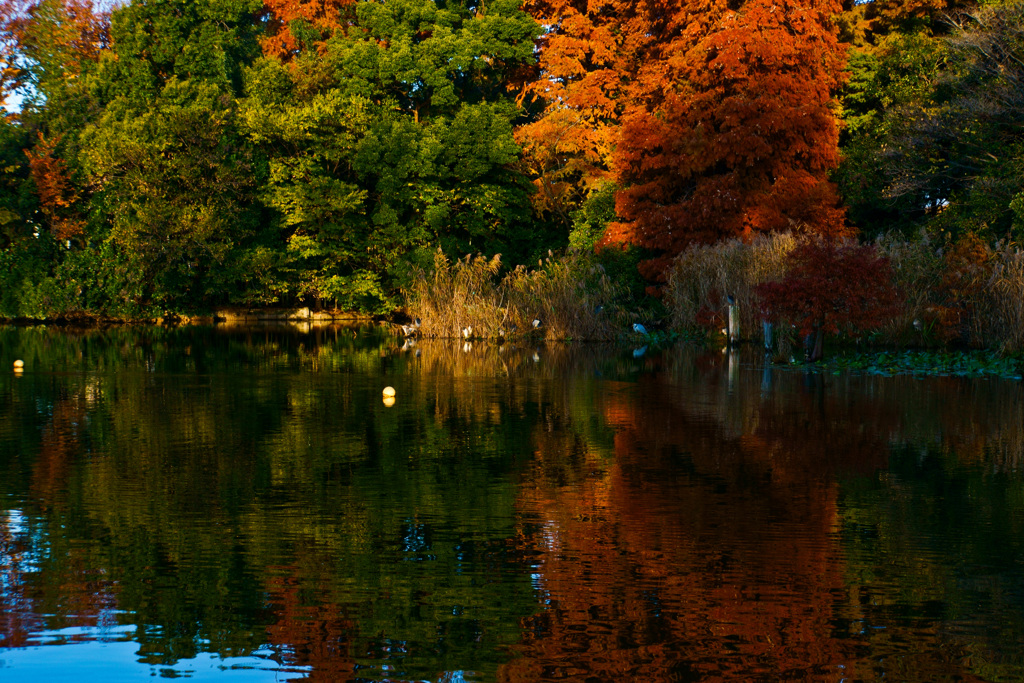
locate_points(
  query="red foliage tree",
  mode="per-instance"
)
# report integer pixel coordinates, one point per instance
(715, 121)
(832, 286)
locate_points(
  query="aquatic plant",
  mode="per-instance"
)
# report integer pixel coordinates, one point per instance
(924, 363)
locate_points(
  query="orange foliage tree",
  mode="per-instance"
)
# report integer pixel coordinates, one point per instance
(12, 14)
(44, 42)
(715, 121)
(57, 195)
(583, 82)
(289, 23)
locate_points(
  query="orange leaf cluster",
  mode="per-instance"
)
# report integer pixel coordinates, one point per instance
(56, 193)
(326, 16)
(715, 121)
(58, 36)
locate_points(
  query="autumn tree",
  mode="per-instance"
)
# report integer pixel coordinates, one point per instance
(47, 43)
(714, 121)
(586, 59)
(57, 195)
(831, 287)
(11, 15)
(744, 138)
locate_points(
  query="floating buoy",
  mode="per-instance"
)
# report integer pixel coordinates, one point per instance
(389, 401)
(19, 365)
(389, 392)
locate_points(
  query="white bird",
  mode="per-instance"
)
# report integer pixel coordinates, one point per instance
(467, 332)
(536, 323)
(639, 329)
(411, 330)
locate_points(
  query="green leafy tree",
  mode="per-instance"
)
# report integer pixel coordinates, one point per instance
(933, 129)
(175, 182)
(393, 137)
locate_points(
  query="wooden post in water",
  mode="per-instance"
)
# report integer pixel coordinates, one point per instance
(734, 321)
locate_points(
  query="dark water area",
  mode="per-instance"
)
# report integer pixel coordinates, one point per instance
(240, 504)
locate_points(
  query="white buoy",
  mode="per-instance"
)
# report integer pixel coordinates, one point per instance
(389, 401)
(389, 392)
(19, 365)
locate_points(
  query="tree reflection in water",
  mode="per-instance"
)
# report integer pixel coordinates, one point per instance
(520, 514)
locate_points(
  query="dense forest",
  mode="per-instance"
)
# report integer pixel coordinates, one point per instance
(179, 155)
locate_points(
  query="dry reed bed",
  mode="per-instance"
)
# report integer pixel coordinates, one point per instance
(964, 293)
(703, 275)
(571, 297)
(968, 292)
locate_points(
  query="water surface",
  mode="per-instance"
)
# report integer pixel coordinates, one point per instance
(239, 504)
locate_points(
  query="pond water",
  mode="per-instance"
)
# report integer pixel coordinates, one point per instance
(240, 505)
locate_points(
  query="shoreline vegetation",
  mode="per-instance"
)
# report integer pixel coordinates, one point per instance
(959, 307)
(503, 170)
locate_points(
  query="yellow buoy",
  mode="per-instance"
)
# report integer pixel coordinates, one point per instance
(389, 392)
(19, 364)
(389, 401)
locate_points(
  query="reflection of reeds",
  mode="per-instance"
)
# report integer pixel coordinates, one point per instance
(847, 423)
(570, 296)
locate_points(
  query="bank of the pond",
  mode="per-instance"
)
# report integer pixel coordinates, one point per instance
(217, 316)
(918, 362)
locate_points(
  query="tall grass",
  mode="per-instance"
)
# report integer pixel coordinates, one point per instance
(962, 293)
(1001, 307)
(917, 267)
(570, 295)
(969, 293)
(703, 276)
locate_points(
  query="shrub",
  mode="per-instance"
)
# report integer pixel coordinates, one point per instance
(832, 287)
